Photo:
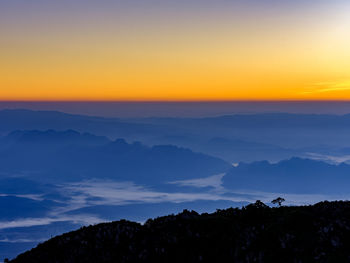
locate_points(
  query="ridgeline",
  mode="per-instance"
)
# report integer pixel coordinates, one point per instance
(255, 233)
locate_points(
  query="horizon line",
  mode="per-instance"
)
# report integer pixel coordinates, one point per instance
(178, 101)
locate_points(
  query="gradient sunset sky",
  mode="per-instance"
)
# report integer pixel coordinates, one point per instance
(174, 50)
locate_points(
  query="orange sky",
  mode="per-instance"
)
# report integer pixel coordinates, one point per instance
(214, 54)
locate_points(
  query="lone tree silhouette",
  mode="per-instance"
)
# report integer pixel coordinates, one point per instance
(278, 201)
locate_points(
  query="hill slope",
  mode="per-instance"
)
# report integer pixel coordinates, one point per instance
(256, 233)
(70, 155)
(235, 138)
(296, 175)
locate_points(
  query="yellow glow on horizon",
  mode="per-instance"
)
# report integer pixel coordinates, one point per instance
(293, 60)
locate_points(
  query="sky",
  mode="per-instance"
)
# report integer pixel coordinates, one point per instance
(166, 50)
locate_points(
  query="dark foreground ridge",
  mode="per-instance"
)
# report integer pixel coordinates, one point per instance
(255, 233)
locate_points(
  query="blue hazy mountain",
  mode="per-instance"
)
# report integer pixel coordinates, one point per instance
(280, 129)
(259, 120)
(21, 119)
(234, 138)
(60, 171)
(237, 150)
(41, 173)
(295, 175)
(69, 155)
(52, 137)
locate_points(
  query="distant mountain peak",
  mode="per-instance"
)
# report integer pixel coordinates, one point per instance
(51, 135)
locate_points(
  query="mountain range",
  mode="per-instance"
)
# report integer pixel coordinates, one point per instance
(234, 138)
(68, 155)
(296, 175)
(61, 171)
